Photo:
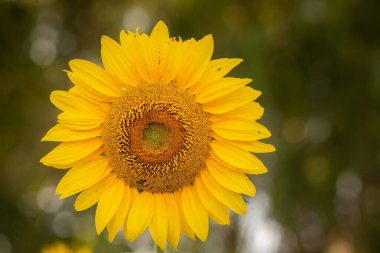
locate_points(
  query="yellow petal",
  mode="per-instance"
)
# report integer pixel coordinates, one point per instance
(231, 199)
(195, 61)
(216, 69)
(80, 120)
(251, 112)
(260, 147)
(95, 78)
(91, 195)
(173, 52)
(195, 213)
(164, 50)
(152, 57)
(140, 48)
(67, 101)
(91, 156)
(92, 98)
(185, 228)
(109, 202)
(86, 90)
(236, 99)
(240, 130)
(82, 176)
(139, 215)
(160, 38)
(158, 227)
(63, 134)
(255, 146)
(226, 165)
(230, 179)
(65, 154)
(216, 210)
(174, 220)
(160, 32)
(238, 157)
(117, 63)
(220, 88)
(119, 218)
(129, 45)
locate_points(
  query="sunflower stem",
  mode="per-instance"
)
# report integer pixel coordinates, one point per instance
(159, 250)
(169, 249)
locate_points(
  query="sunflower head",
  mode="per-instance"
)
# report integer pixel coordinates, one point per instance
(158, 137)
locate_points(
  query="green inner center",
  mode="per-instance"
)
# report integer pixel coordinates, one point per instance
(156, 135)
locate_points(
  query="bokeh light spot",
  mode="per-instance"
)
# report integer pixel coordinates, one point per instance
(5, 245)
(63, 224)
(294, 130)
(136, 17)
(318, 129)
(317, 169)
(48, 201)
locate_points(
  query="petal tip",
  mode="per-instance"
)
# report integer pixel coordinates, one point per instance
(43, 161)
(160, 23)
(105, 40)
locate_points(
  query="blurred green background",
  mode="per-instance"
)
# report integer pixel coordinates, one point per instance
(317, 63)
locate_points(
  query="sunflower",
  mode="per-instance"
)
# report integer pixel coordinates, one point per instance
(158, 138)
(60, 247)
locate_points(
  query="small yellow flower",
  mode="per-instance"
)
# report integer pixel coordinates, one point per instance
(159, 138)
(60, 247)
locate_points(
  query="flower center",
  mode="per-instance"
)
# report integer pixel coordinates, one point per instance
(157, 138)
(156, 135)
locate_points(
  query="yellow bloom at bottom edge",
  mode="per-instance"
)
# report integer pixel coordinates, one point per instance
(60, 247)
